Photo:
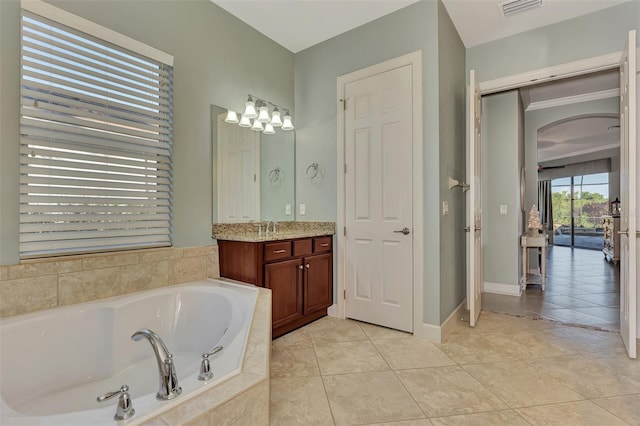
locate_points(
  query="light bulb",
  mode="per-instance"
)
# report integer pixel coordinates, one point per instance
(232, 117)
(257, 126)
(263, 117)
(250, 109)
(275, 118)
(244, 121)
(286, 123)
(268, 129)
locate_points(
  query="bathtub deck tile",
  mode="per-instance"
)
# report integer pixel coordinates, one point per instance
(24, 295)
(187, 269)
(109, 260)
(78, 287)
(144, 276)
(47, 267)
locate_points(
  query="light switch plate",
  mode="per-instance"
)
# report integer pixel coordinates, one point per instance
(287, 209)
(303, 209)
(503, 209)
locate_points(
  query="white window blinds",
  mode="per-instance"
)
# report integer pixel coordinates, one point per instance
(95, 144)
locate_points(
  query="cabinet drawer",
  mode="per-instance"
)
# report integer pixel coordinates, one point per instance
(302, 247)
(322, 244)
(276, 251)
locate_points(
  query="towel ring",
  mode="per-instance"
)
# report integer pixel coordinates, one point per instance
(275, 175)
(314, 170)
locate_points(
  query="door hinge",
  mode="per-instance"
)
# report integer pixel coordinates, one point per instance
(344, 295)
(344, 231)
(345, 168)
(255, 179)
(344, 104)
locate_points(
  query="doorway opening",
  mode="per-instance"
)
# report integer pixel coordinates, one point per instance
(575, 147)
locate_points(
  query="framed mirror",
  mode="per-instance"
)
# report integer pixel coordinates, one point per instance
(253, 173)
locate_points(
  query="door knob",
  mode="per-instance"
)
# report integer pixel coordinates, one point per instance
(404, 231)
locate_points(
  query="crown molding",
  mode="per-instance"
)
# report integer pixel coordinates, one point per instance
(568, 100)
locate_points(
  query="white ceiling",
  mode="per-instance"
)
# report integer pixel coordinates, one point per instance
(299, 24)
(480, 21)
(578, 136)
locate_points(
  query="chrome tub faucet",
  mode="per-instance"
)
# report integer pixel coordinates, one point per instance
(169, 387)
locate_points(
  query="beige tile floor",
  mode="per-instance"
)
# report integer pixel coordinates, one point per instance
(506, 371)
(582, 289)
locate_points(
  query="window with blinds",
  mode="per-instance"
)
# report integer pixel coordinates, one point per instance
(95, 144)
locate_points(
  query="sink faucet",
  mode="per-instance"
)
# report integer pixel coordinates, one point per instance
(169, 388)
(274, 223)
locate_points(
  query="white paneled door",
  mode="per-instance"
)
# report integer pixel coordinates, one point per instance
(628, 188)
(474, 201)
(378, 199)
(238, 173)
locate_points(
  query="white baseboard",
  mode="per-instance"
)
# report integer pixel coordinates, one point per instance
(449, 324)
(429, 332)
(436, 333)
(498, 288)
(332, 311)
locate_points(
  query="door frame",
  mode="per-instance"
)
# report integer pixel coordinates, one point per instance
(557, 72)
(415, 60)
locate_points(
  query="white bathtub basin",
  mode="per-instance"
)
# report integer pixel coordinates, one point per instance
(54, 363)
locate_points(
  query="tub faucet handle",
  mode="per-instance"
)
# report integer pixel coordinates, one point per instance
(124, 409)
(205, 367)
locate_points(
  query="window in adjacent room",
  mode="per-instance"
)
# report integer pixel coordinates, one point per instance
(95, 138)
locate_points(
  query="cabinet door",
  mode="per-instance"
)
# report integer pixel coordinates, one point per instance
(318, 282)
(285, 281)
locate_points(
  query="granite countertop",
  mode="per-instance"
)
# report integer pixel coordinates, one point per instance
(284, 231)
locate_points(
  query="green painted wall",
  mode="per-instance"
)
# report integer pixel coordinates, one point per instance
(422, 26)
(451, 77)
(207, 70)
(598, 33)
(500, 186)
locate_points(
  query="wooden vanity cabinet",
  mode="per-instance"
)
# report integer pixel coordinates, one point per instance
(298, 272)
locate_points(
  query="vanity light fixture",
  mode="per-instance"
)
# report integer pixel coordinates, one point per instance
(275, 118)
(232, 117)
(257, 126)
(244, 121)
(250, 108)
(258, 110)
(268, 129)
(263, 116)
(287, 124)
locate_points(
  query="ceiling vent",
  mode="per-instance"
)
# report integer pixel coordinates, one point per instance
(513, 7)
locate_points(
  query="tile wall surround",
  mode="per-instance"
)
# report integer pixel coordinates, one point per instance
(38, 284)
(284, 230)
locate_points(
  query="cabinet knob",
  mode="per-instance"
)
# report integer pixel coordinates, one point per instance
(300, 267)
(308, 266)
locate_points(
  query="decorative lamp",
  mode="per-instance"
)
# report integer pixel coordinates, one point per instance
(232, 117)
(257, 126)
(268, 129)
(250, 108)
(275, 118)
(286, 122)
(244, 121)
(263, 116)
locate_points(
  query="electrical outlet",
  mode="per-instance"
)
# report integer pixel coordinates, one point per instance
(303, 209)
(503, 209)
(445, 208)
(287, 209)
